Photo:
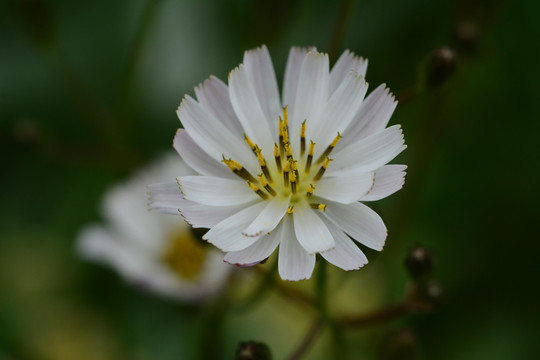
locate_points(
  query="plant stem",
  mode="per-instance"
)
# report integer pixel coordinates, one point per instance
(308, 339)
(339, 29)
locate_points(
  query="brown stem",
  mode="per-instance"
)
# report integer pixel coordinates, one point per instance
(389, 313)
(306, 342)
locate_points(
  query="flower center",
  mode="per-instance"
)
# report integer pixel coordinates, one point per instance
(293, 177)
(184, 255)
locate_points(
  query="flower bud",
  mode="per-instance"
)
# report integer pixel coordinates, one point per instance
(441, 63)
(419, 262)
(251, 350)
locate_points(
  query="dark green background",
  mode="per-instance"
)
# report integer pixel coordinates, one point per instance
(88, 92)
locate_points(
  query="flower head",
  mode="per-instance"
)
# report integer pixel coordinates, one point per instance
(293, 171)
(156, 253)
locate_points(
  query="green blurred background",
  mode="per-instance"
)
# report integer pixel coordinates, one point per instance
(88, 92)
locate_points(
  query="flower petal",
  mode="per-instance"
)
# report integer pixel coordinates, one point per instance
(268, 218)
(213, 95)
(227, 235)
(212, 135)
(260, 250)
(345, 189)
(292, 73)
(249, 111)
(206, 216)
(311, 95)
(347, 61)
(310, 231)
(372, 117)
(165, 198)
(388, 180)
(294, 263)
(197, 158)
(216, 191)
(340, 110)
(346, 255)
(260, 71)
(369, 153)
(360, 222)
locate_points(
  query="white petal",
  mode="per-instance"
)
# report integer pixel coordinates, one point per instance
(213, 95)
(388, 180)
(346, 62)
(346, 254)
(369, 153)
(165, 198)
(261, 73)
(345, 189)
(372, 117)
(310, 231)
(212, 135)
(197, 158)
(340, 110)
(360, 222)
(227, 235)
(257, 252)
(268, 218)
(249, 111)
(216, 191)
(311, 95)
(292, 73)
(206, 216)
(294, 263)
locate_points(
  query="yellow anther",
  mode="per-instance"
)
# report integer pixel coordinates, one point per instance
(318, 206)
(293, 165)
(303, 138)
(290, 209)
(311, 148)
(287, 166)
(277, 156)
(303, 130)
(285, 134)
(229, 164)
(326, 162)
(276, 150)
(280, 127)
(262, 180)
(260, 157)
(249, 142)
(257, 190)
(310, 190)
(292, 177)
(336, 139)
(285, 117)
(288, 150)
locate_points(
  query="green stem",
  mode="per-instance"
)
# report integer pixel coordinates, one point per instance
(339, 29)
(264, 285)
(320, 288)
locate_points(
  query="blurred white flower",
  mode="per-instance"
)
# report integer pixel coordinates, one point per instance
(291, 172)
(154, 252)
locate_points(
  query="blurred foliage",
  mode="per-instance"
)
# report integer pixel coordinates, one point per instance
(88, 92)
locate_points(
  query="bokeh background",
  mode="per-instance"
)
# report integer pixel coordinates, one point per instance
(88, 92)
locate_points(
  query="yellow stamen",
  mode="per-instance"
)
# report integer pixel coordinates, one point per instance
(285, 117)
(257, 190)
(329, 148)
(310, 156)
(318, 206)
(238, 169)
(277, 157)
(303, 138)
(322, 169)
(265, 185)
(310, 190)
(286, 170)
(262, 163)
(249, 142)
(288, 150)
(292, 179)
(290, 209)
(280, 130)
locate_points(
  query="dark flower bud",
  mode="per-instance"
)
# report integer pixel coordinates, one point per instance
(419, 262)
(440, 64)
(400, 345)
(251, 350)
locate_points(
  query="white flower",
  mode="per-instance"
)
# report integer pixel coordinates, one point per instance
(157, 253)
(294, 172)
